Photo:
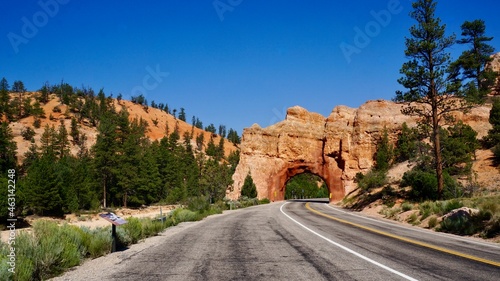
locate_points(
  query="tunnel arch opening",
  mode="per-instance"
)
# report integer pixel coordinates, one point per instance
(328, 172)
(306, 186)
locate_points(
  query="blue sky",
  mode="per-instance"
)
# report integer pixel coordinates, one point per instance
(231, 62)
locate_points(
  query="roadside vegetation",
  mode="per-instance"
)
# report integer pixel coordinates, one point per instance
(438, 190)
(48, 249)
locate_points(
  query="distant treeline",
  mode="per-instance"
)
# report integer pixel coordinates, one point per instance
(123, 168)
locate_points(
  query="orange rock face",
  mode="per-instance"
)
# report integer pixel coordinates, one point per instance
(334, 148)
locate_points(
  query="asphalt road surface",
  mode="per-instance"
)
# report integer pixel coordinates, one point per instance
(303, 240)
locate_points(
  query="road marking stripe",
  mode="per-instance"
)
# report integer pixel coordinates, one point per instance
(415, 242)
(347, 249)
(440, 234)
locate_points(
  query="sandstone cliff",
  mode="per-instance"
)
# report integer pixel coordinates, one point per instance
(335, 147)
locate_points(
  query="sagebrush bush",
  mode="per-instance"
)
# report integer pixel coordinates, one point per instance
(100, 243)
(133, 228)
(57, 248)
(432, 222)
(199, 203)
(413, 219)
(406, 206)
(372, 179)
(183, 215)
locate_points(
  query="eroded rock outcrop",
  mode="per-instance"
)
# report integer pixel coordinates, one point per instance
(334, 148)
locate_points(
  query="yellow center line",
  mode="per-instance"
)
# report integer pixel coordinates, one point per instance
(415, 242)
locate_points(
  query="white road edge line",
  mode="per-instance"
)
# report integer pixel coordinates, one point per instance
(345, 248)
(444, 235)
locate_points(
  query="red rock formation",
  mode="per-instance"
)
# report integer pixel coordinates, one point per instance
(334, 148)
(495, 66)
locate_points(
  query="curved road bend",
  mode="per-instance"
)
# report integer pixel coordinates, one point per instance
(303, 241)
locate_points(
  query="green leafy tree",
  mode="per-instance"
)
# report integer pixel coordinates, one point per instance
(30, 156)
(249, 189)
(385, 153)
(44, 93)
(233, 159)
(432, 87)
(8, 148)
(473, 61)
(18, 87)
(74, 132)
(406, 145)
(48, 141)
(211, 128)
(233, 137)
(211, 148)
(199, 141)
(492, 140)
(459, 146)
(105, 151)
(215, 179)
(493, 137)
(4, 97)
(182, 115)
(62, 142)
(41, 186)
(222, 131)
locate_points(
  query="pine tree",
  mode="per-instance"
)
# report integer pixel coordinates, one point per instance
(182, 115)
(474, 60)
(41, 187)
(8, 148)
(48, 141)
(249, 189)
(4, 97)
(211, 148)
(62, 142)
(432, 87)
(406, 147)
(74, 132)
(31, 155)
(385, 153)
(105, 151)
(492, 140)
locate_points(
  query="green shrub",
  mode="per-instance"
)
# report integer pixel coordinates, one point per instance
(57, 248)
(406, 206)
(183, 215)
(458, 225)
(133, 228)
(264, 201)
(390, 212)
(373, 179)
(423, 185)
(198, 204)
(100, 243)
(432, 222)
(425, 209)
(496, 154)
(249, 189)
(451, 205)
(26, 246)
(413, 219)
(5, 275)
(123, 237)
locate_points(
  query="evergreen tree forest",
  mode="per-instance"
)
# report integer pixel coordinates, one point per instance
(123, 168)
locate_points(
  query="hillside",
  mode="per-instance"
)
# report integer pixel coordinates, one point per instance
(154, 132)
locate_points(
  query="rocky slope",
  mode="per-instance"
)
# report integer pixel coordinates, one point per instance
(154, 132)
(335, 148)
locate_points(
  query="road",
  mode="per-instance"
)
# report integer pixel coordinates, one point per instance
(306, 241)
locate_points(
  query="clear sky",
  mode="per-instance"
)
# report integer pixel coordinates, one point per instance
(231, 62)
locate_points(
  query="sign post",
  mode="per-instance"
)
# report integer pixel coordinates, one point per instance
(114, 220)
